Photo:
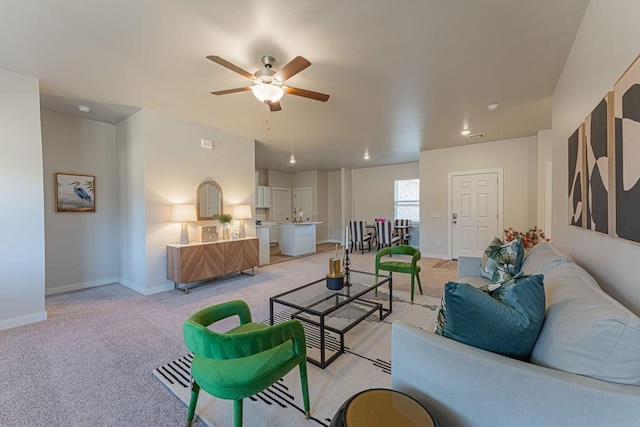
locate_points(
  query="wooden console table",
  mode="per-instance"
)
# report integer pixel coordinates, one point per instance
(197, 262)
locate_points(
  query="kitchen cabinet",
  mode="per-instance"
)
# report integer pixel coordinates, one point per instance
(263, 196)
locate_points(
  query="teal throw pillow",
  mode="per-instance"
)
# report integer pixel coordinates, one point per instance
(506, 321)
(502, 261)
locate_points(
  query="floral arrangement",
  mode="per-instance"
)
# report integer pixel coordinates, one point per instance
(529, 239)
(380, 219)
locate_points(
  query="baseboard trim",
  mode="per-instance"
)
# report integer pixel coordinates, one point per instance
(157, 289)
(144, 290)
(438, 256)
(23, 320)
(78, 286)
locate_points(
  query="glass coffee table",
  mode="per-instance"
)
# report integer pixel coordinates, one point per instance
(328, 314)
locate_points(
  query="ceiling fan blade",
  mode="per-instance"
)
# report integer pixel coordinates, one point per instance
(308, 94)
(224, 92)
(230, 66)
(296, 65)
(275, 106)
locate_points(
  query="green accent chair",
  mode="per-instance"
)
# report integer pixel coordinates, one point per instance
(244, 360)
(411, 268)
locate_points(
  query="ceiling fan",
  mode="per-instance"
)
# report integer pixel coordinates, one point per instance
(268, 85)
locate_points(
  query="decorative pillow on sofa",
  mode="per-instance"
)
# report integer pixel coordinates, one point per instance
(502, 261)
(506, 321)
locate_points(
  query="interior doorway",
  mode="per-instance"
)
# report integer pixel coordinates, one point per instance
(475, 211)
(302, 200)
(281, 204)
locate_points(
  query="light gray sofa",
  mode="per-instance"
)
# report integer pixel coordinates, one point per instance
(584, 369)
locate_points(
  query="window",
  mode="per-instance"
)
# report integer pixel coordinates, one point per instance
(407, 199)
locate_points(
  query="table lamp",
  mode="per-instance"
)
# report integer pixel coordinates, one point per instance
(242, 212)
(184, 213)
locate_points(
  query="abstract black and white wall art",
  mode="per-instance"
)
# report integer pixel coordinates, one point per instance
(576, 175)
(627, 153)
(596, 133)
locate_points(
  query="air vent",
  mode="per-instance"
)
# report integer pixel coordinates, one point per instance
(476, 136)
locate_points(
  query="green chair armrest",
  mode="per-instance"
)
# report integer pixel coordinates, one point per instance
(213, 345)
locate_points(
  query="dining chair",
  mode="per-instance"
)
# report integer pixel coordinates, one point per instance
(402, 229)
(385, 235)
(400, 266)
(244, 360)
(359, 235)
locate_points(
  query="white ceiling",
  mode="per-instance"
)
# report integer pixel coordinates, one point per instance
(403, 76)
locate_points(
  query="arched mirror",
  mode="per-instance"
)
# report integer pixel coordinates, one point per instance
(209, 199)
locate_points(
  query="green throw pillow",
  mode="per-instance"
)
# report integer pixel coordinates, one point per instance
(506, 321)
(502, 261)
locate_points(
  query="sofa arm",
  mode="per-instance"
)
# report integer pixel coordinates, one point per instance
(469, 266)
(465, 386)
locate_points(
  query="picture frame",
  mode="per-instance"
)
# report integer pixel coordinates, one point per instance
(598, 131)
(627, 137)
(576, 168)
(75, 192)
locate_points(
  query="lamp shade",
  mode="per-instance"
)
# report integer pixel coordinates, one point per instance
(183, 213)
(267, 92)
(242, 211)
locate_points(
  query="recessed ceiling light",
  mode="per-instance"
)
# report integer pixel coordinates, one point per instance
(465, 132)
(84, 108)
(366, 155)
(292, 160)
(493, 107)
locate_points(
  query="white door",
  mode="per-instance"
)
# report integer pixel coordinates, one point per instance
(281, 204)
(474, 213)
(302, 200)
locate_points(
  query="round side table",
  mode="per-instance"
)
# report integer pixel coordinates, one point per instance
(382, 407)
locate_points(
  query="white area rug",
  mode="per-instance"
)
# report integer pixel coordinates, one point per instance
(365, 364)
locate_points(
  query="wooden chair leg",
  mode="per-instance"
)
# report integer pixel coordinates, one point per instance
(237, 413)
(195, 390)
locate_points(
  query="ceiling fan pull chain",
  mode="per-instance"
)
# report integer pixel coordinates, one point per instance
(266, 120)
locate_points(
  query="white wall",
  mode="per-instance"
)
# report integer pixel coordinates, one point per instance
(545, 147)
(81, 248)
(131, 216)
(374, 190)
(334, 206)
(280, 179)
(322, 211)
(516, 157)
(22, 253)
(606, 44)
(345, 201)
(174, 166)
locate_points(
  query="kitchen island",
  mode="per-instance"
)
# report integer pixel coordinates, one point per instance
(297, 238)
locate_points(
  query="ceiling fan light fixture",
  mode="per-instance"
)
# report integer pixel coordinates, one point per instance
(266, 92)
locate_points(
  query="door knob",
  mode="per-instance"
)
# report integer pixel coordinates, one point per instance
(454, 218)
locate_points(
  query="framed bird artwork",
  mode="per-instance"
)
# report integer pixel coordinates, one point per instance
(75, 193)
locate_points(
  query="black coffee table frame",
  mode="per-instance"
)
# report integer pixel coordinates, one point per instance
(324, 303)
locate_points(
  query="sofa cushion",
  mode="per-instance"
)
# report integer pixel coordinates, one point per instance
(502, 261)
(543, 258)
(586, 331)
(506, 321)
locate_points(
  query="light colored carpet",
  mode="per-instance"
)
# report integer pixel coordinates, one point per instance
(365, 364)
(90, 363)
